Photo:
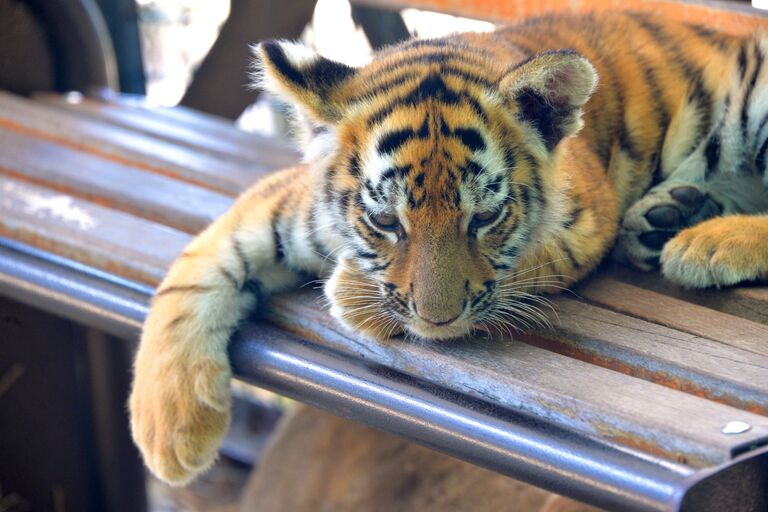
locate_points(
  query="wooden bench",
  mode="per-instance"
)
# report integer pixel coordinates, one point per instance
(641, 397)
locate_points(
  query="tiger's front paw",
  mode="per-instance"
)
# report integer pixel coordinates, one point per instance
(718, 252)
(180, 412)
(657, 217)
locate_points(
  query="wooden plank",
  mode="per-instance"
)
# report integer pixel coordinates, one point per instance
(679, 360)
(731, 17)
(225, 142)
(683, 316)
(127, 146)
(136, 191)
(745, 301)
(607, 404)
(116, 242)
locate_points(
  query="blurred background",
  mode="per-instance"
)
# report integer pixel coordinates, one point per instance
(176, 36)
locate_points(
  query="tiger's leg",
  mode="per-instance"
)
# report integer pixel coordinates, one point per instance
(719, 252)
(180, 398)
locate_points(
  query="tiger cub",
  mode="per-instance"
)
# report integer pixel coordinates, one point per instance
(449, 180)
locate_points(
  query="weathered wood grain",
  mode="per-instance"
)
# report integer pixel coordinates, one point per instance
(704, 367)
(219, 140)
(101, 237)
(128, 146)
(678, 314)
(608, 404)
(155, 197)
(745, 301)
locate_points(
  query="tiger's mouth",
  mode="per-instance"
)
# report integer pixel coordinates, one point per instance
(454, 329)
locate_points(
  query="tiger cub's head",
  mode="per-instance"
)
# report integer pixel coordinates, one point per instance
(435, 161)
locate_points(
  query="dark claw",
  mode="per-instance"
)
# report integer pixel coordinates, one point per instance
(708, 210)
(655, 239)
(653, 261)
(688, 196)
(663, 216)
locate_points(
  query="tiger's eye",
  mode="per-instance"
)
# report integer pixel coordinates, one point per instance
(385, 221)
(481, 219)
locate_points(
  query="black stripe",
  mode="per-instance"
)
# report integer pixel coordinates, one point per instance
(573, 218)
(742, 61)
(278, 59)
(569, 255)
(431, 88)
(354, 164)
(253, 287)
(712, 153)
(712, 37)
(229, 276)
(392, 141)
(470, 168)
(379, 268)
(384, 87)
(748, 93)
(470, 138)
(760, 160)
(366, 255)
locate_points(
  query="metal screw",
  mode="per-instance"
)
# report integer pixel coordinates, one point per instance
(735, 427)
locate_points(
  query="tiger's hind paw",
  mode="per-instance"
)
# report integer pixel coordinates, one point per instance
(719, 252)
(657, 217)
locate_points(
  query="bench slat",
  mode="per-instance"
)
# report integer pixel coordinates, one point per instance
(683, 361)
(229, 143)
(675, 313)
(608, 404)
(750, 302)
(109, 183)
(128, 146)
(103, 238)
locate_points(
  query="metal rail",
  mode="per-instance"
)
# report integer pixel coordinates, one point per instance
(498, 438)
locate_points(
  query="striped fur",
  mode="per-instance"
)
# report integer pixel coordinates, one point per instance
(450, 181)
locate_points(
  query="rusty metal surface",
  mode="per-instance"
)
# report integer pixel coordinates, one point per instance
(730, 17)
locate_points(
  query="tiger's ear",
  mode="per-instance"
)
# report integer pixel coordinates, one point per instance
(301, 76)
(549, 91)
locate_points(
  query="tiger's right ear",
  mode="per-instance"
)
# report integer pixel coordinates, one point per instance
(302, 76)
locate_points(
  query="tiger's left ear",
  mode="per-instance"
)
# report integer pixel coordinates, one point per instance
(549, 91)
(301, 76)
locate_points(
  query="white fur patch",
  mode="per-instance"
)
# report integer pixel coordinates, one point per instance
(298, 54)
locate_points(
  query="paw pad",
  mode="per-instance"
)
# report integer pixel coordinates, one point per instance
(664, 216)
(687, 196)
